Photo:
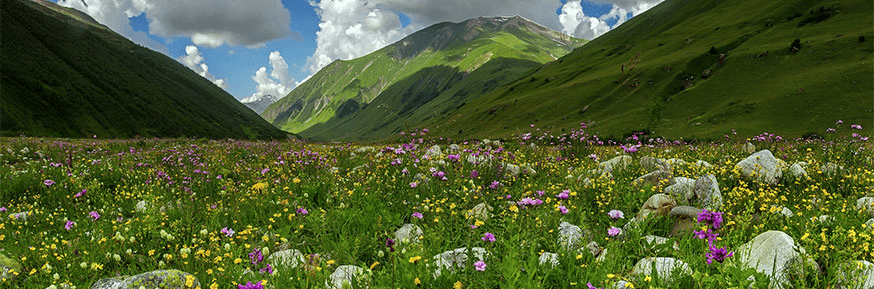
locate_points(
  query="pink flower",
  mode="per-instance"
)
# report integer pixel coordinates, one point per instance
(413, 185)
(69, 225)
(562, 209)
(94, 215)
(80, 194)
(480, 265)
(228, 231)
(563, 195)
(302, 211)
(418, 215)
(48, 183)
(488, 237)
(613, 231)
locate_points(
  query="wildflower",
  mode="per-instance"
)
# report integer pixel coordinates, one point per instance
(414, 259)
(302, 211)
(480, 265)
(495, 184)
(613, 231)
(189, 281)
(374, 264)
(839, 122)
(457, 285)
(267, 268)
(249, 285)
(856, 126)
(417, 281)
(80, 194)
(563, 195)
(718, 254)
(712, 218)
(2, 209)
(562, 209)
(256, 256)
(413, 185)
(474, 174)
(48, 182)
(69, 225)
(589, 284)
(418, 215)
(594, 157)
(454, 158)
(488, 237)
(390, 244)
(94, 215)
(616, 214)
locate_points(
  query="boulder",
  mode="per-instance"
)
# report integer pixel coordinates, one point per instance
(570, 236)
(660, 204)
(594, 248)
(408, 233)
(481, 211)
(550, 258)
(682, 190)
(665, 268)
(707, 193)
(651, 164)
(165, 279)
(512, 170)
(773, 253)
(344, 277)
(858, 274)
(652, 241)
(685, 212)
(831, 170)
(761, 167)
(8, 264)
(456, 259)
(653, 178)
(866, 204)
(433, 152)
(676, 162)
(703, 164)
(748, 148)
(615, 164)
(797, 171)
(286, 259)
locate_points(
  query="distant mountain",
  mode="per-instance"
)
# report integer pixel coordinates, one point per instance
(65, 75)
(428, 74)
(258, 104)
(696, 69)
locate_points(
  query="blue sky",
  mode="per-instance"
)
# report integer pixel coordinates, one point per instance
(228, 42)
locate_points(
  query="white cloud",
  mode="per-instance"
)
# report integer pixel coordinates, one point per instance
(575, 22)
(193, 60)
(115, 14)
(278, 83)
(208, 23)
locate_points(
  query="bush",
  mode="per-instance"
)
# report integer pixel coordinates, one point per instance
(796, 45)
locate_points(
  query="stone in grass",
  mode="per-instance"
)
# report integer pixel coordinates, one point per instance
(748, 148)
(797, 171)
(512, 170)
(707, 192)
(549, 258)
(408, 233)
(8, 264)
(659, 204)
(775, 254)
(286, 259)
(869, 224)
(594, 248)
(165, 279)
(665, 268)
(344, 277)
(615, 164)
(570, 236)
(434, 152)
(653, 178)
(703, 164)
(857, 274)
(654, 241)
(481, 211)
(456, 259)
(866, 204)
(831, 169)
(650, 164)
(682, 190)
(762, 167)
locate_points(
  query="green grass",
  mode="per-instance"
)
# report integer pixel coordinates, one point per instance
(194, 188)
(65, 76)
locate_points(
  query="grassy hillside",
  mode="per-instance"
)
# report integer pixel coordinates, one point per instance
(438, 67)
(65, 75)
(697, 69)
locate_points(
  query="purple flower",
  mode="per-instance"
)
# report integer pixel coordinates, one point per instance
(488, 237)
(264, 171)
(228, 232)
(302, 211)
(540, 193)
(495, 184)
(256, 256)
(413, 184)
(474, 174)
(249, 285)
(454, 158)
(69, 225)
(856, 126)
(480, 265)
(48, 182)
(268, 269)
(94, 215)
(712, 218)
(563, 195)
(616, 214)
(718, 254)
(119, 219)
(594, 157)
(390, 244)
(508, 196)
(562, 209)
(417, 215)
(708, 234)
(839, 122)
(2, 209)
(613, 231)
(589, 284)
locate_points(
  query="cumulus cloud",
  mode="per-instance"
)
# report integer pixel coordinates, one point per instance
(193, 60)
(208, 23)
(278, 83)
(577, 23)
(115, 14)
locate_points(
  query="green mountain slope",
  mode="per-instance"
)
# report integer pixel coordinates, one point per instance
(427, 74)
(65, 75)
(697, 69)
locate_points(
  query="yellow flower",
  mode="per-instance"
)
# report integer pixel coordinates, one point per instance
(414, 259)
(374, 265)
(152, 252)
(458, 285)
(478, 223)
(629, 285)
(296, 181)
(258, 186)
(238, 260)
(265, 238)
(213, 286)
(579, 256)
(610, 276)
(189, 281)
(417, 281)
(647, 279)
(331, 262)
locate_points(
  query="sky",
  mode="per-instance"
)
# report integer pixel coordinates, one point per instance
(256, 47)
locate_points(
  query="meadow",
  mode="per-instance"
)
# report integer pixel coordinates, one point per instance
(79, 210)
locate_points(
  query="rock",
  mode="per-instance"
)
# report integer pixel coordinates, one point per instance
(456, 259)
(20, 216)
(453, 148)
(286, 259)
(676, 162)
(761, 167)
(650, 164)
(7, 264)
(703, 164)
(365, 149)
(478, 159)
(481, 212)
(831, 169)
(684, 227)
(659, 204)
(653, 178)
(345, 276)
(434, 152)
(615, 164)
(653, 241)
(707, 192)
(858, 274)
(570, 236)
(775, 254)
(786, 212)
(547, 257)
(748, 148)
(512, 170)
(529, 170)
(825, 219)
(594, 248)
(665, 268)
(685, 212)
(797, 171)
(408, 233)
(869, 224)
(866, 204)
(141, 207)
(165, 279)
(682, 190)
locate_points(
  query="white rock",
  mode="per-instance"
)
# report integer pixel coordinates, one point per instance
(762, 167)
(665, 268)
(773, 253)
(748, 148)
(703, 164)
(615, 164)
(456, 259)
(286, 259)
(345, 275)
(707, 192)
(657, 203)
(858, 274)
(682, 190)
(594, 248)
(168, 279)
(512, 169)
(831, 170)
(797, 170)
(434, 152)
(550, 258)
(481, 212)
(408, 233)
(141, 206)
(866, 204)
(570, 236)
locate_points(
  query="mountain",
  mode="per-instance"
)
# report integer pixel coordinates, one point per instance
(428, 74)
(258, 104)
(65, 75)
(696, 69)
